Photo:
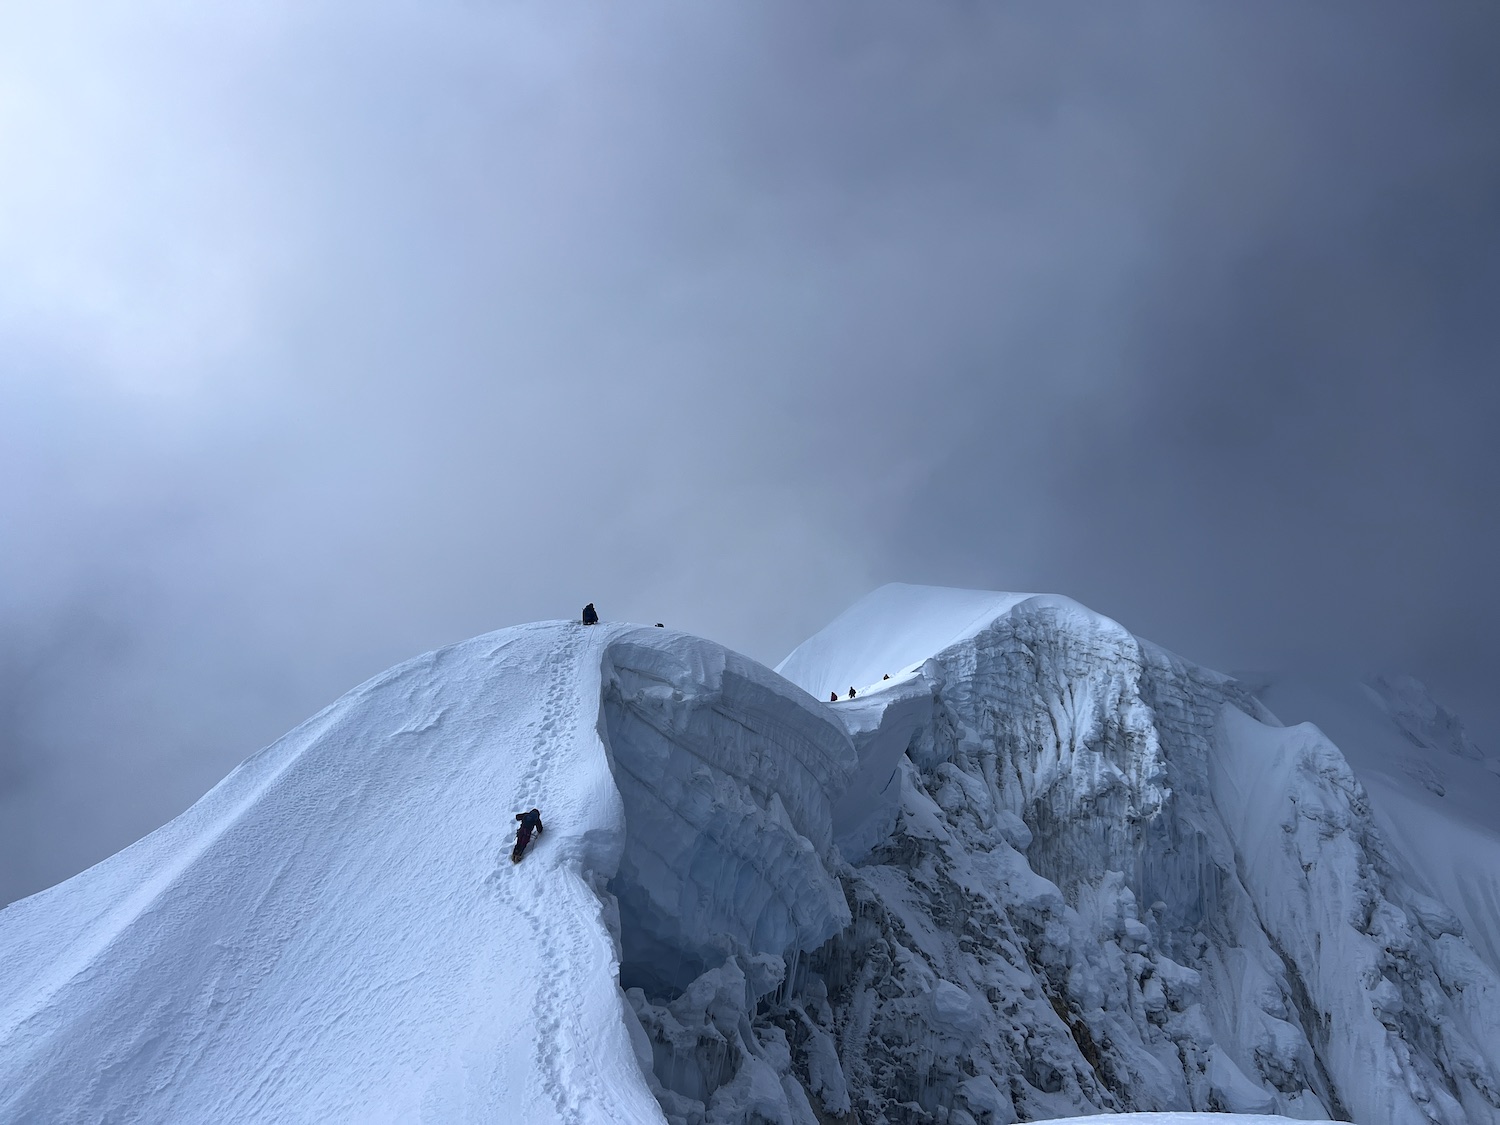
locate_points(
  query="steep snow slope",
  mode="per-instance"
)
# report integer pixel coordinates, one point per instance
(335, 932)
(1434, 794)
(890, 631)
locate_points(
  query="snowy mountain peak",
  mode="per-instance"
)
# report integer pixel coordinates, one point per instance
(889, 631)
(1104, 844)
(1045, 869)
(335, 932)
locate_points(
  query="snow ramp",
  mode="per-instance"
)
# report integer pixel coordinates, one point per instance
(336, 933)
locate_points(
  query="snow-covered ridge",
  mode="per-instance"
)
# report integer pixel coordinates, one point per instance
(335, 932)
(891, 632)
(1045, 869)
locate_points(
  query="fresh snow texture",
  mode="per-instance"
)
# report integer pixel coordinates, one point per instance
(890, 632)
(336, 933)
(1046, 869)
(1434, 794)
(1400, 1001)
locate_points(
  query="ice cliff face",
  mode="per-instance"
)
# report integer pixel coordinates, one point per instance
(1115, 883)
(726, 776)
(1044, 869)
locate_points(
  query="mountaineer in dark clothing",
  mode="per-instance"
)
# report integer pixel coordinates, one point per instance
(590, 617)
(851, 693)
(833, 697)
(531, 822)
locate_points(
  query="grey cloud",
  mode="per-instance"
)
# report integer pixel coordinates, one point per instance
(336, 333)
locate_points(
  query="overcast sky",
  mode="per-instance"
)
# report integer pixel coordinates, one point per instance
(332, 332)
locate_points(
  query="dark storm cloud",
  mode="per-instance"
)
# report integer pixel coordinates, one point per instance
(1288, 457)
(335, 333)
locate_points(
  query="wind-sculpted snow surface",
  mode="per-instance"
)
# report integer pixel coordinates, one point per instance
(1116, 883)
(1044, 869)
(1401, 1005)
(336, 934)
(1434, 794)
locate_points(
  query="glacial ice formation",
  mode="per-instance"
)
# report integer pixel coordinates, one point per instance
(1156, 897)
(727, 777)
(335, 933)
(1044, 869)
(1434, 795)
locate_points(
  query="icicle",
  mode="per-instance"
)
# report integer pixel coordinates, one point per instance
(788, 982)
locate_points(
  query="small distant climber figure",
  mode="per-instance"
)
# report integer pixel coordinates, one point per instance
(659, 625)
(590, 615)
(886, 676)
(531, 822)
(833, 697)
(851, 693)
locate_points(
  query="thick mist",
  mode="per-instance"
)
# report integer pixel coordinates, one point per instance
(330, 333)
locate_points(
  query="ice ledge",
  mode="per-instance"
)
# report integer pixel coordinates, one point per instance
(729, 777)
